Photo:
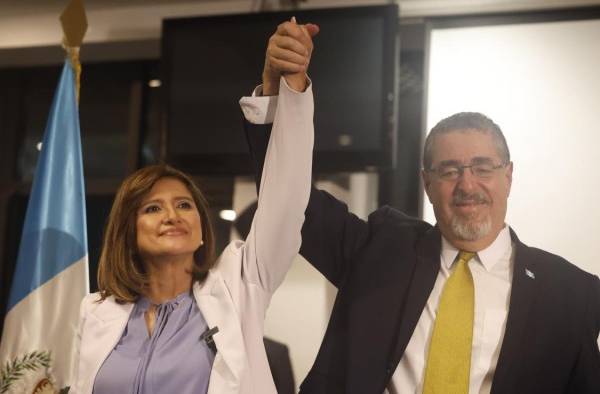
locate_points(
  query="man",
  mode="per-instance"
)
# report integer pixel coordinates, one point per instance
(460, 307)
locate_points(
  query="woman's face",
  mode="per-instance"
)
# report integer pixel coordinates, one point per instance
(168, 221)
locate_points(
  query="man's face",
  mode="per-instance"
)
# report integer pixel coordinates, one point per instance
(469, 209)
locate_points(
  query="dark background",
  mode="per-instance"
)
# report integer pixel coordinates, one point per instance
(121, 119)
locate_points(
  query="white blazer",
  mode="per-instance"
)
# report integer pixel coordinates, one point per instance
(237, 291)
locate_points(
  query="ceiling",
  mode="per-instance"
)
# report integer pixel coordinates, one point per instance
(34, 23)
(27, 6)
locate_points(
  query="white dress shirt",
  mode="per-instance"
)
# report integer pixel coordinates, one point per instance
(492, 276)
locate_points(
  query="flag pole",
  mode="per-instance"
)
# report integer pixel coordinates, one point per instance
(74, 25)
(39, 342)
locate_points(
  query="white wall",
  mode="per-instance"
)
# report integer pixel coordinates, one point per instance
(541, 84)
(300, 309)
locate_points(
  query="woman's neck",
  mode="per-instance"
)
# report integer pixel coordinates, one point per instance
(168, 277)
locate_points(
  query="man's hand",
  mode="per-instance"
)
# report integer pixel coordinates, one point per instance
(288, 54)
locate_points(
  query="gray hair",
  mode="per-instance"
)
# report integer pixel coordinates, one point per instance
(466, 121)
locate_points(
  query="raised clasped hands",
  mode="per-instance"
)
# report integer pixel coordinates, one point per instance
(288, 54)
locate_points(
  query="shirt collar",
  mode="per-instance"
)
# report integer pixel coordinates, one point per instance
(488, 257)
(144, 303)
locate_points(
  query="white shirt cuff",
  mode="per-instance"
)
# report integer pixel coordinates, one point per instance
(259, 109)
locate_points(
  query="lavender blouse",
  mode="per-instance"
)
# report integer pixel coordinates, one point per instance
(172, 360)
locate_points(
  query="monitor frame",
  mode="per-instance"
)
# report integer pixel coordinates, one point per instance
(325, 161)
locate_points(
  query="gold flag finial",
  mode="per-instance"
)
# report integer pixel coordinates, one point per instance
(74, 25)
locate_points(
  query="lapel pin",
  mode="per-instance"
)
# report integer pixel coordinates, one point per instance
(529, 273)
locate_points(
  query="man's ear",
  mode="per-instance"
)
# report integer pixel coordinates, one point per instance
(509, 172)
(426, 177)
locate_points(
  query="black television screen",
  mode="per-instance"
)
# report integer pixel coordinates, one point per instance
(208, 63)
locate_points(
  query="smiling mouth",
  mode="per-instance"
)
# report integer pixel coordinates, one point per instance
(470, 204)
(173, 233)
(470, 209)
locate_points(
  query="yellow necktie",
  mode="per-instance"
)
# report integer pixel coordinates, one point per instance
(449, 360)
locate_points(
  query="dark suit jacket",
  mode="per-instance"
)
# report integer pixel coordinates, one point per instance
(281, 366)
(385, 269)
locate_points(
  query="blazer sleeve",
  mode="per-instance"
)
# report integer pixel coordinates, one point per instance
(331, 235)
(585, 377)
(274, 237)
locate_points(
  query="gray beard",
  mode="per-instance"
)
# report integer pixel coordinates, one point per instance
(469, 230)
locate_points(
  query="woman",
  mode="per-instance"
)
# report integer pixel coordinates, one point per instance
(169, 317)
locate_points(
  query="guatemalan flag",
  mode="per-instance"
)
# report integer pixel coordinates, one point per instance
(51, 273)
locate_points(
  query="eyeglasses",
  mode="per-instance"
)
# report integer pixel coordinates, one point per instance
(452, 172)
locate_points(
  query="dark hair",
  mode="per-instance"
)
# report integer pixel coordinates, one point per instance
(121, 273)
(466, 121)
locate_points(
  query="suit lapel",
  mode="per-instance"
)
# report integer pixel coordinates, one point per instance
(424, 276)
(218, 310)
(381, 320)
(523, 291)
